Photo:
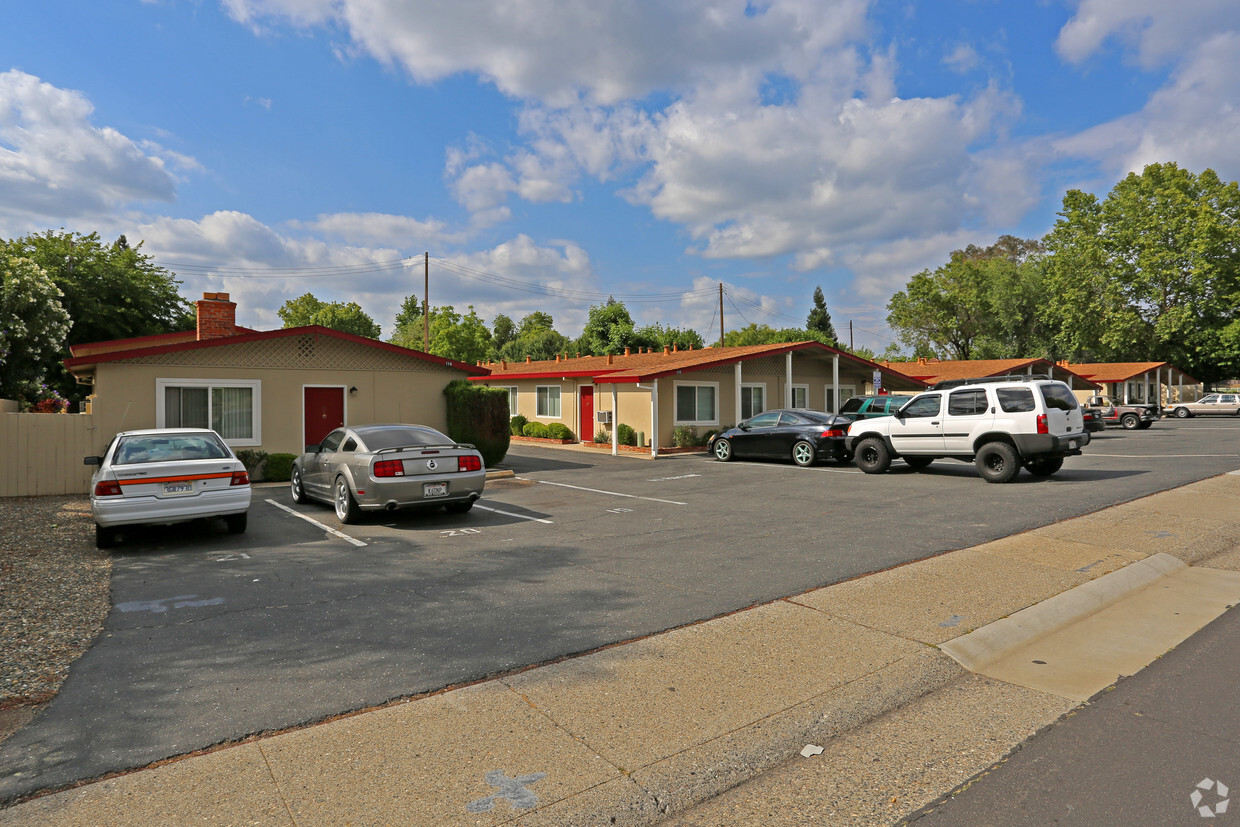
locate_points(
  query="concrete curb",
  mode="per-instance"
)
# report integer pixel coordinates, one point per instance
(982, 647)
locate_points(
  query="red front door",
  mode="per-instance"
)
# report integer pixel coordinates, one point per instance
(585, 430)
(324, 409)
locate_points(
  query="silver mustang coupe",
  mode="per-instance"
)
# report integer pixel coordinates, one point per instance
(373, 467)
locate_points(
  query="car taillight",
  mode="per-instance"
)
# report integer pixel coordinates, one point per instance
(834, 432)
(240, 478)
(108, 488)
(1043, 427)
(390, 468)
(469, 463)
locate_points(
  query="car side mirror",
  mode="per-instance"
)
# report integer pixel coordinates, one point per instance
(744, 426)
(312, 449)
(92, 460)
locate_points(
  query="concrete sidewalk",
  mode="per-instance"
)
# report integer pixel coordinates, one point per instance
(634, 733)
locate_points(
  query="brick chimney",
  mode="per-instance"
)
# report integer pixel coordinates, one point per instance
(217, 316)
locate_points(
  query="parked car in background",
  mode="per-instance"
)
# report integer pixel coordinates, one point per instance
(164, 476)
(1093, 420)
(868, 407)
(1128, 417)
(801, 435)
(1218, 404)
(374, 467)
(999, 424)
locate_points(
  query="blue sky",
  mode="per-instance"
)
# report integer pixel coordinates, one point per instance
(548, 154)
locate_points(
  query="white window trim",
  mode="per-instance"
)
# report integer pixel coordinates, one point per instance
(559, 399)
(765, 399)
(675, 394)
(795, 388)
(255, 385)
(846, 393)
(513, 391)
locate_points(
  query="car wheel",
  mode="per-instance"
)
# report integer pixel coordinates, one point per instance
(1129, 421)
(105, 537)
(346, 507)
(803, 454)
(237, 522)
(1182, 413)
(723, 450)
(918, 463)
(295, 486)
(996, 462)
(459, 508)
(1044, 466)
(872, 456)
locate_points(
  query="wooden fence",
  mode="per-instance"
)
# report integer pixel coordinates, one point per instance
(41, 454)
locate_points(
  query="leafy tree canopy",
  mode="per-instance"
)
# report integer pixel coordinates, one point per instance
(464, 338)
(33, 326)
(658, 337)
(1151, 273)
(345, 317)
(608, 329)
(761, 334)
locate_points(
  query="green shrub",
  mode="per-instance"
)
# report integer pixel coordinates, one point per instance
(516, 426)
(625, 434)
(686, 436)
(535, 429)
(478, 416)
(251, 460)
(601, 436)
(558, 430)
(279, 467)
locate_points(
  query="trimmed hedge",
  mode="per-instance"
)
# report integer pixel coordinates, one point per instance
(625, 435)
(279, 467)
(516, 425)
(478, 415)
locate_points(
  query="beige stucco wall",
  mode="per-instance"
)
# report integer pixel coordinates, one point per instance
(390, 387)
(635, 403)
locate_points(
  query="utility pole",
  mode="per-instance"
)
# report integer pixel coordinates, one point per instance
(850, 341)
(720, 314)
(426, 303)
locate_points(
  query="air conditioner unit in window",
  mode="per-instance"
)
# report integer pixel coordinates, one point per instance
(602, 417)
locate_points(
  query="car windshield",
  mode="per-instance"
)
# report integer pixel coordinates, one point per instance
(134, 450)
(852, 405)
(382, 438)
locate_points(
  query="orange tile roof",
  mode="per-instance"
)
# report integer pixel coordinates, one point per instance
(1122, 371)
(635, 367)
(943, 370)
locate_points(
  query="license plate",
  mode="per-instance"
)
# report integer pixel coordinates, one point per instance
(178, 488)
(435, 489)
(1072, 443)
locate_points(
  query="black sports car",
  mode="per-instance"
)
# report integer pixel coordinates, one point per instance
(800, 435)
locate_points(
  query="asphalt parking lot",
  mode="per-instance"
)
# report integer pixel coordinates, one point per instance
(214, 637)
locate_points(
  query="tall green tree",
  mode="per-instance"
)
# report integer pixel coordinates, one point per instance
(408, 325)
(608, 329)
(464, 338)
(503, 331)
(539, 344)
(658, 337)
(33, 327)
(110, 291)
(1154, 269)
(345, 317)
(819, 319)
(982, 304)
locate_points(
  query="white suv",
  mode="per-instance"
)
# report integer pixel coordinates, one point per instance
(1000, 424)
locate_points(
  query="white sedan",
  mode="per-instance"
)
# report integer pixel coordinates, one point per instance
(1225, 404)
(166, 475)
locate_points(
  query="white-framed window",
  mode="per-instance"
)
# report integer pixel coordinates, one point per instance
(230, 407)
(697, 403)
(548, 397)
(800, 396)
(846, 391)
(753, 399)
(512, 398)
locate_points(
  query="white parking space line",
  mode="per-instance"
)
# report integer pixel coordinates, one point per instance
(510, 514)
(610, 493)
(328, 529)
(1158, 456)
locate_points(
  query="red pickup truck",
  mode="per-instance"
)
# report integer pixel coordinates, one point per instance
(1128, 417)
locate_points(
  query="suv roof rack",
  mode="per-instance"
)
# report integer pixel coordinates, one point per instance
(1007, 377)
